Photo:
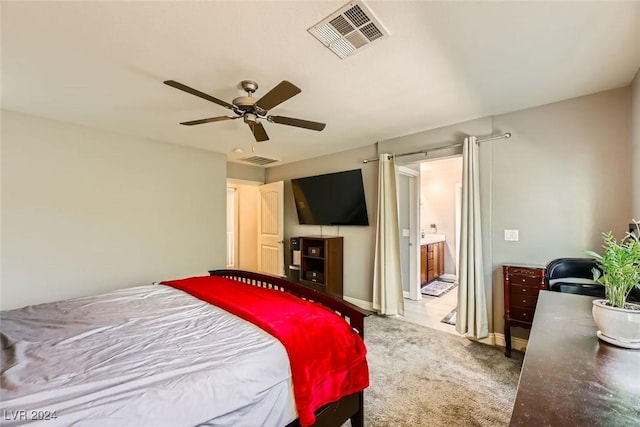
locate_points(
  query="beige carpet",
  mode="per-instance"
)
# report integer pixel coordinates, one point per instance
(424, 377)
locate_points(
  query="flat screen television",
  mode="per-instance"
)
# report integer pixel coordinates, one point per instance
(331, 199)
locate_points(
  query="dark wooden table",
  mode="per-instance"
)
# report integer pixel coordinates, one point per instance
(571, 378)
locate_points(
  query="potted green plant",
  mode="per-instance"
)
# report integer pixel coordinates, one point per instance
(618, 320)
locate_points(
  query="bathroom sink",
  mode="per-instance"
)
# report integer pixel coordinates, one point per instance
(432, 238)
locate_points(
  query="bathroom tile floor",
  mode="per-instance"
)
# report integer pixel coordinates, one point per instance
(431, 310)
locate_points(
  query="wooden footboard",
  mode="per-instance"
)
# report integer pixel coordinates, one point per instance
(354, 315)
(349, 407)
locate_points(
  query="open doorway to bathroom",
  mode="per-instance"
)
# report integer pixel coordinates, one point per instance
(439, 211)
(242, 224)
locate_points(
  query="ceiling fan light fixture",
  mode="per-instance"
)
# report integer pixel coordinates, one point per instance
(244, 103)
(350, 28)
(250, 118)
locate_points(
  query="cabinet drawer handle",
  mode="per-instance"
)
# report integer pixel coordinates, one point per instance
(524, 301)
(524, 314)
(523, 280)
(524, 290)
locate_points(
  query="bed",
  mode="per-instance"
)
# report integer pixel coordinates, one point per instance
(164, 355)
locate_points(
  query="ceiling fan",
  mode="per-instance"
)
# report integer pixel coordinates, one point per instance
(251, 110)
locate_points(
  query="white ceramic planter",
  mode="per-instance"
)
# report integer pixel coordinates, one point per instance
(618, 326)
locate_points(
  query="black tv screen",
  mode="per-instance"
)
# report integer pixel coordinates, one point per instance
(331, 199)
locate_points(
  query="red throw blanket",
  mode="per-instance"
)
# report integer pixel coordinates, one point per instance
(327, 357)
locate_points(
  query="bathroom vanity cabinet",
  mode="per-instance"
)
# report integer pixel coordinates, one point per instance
(431, 262)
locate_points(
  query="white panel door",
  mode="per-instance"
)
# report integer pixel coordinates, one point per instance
(271, 229)
(409, 212)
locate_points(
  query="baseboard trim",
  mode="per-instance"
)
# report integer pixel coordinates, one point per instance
(367, 305)
(489, 340)
(519, 344)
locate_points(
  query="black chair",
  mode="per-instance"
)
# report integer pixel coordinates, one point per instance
(574, 276)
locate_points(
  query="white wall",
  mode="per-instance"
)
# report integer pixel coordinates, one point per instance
(85, 211)
(242, 172)
(635, 132)
(563, 178)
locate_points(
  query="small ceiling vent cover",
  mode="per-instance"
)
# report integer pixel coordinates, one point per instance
(349, 29)
(258, 160)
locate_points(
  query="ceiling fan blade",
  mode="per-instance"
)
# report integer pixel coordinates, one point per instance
(202, 95)
(283, 91)
(258, 131)
(210, 120)
(290, 121)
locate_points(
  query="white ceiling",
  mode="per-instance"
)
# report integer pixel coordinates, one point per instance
(102, 64)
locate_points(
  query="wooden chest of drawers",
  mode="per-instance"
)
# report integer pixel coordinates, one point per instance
(521, 287)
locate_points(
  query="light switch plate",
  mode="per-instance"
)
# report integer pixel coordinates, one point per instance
(511, 235)
(405, 232)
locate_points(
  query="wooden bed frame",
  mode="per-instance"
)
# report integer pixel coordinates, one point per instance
(349, 407)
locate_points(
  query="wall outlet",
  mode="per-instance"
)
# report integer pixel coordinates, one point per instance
(511, 235)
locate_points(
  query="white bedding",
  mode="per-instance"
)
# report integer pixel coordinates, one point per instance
(144, 356)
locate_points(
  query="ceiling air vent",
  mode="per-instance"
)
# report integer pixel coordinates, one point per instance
(258, 160)
(349, 29)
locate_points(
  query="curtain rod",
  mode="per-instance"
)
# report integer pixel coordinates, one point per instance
(505, 135)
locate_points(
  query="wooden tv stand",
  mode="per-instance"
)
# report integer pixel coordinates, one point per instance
(321, 263)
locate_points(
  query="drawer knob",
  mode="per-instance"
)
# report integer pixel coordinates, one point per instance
(523, 280)
(524, 290)
(524, 300)
(524, 314)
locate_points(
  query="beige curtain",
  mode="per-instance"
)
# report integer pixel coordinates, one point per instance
(471, 320)
(387, 275)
